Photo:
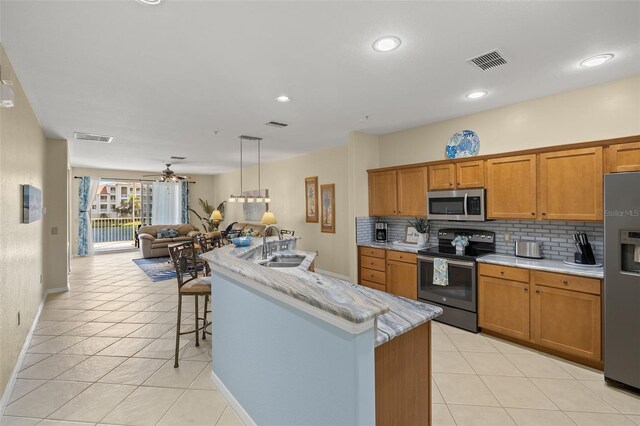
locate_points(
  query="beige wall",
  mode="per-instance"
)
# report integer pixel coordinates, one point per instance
(56, 264)
(598, 112)
(22, 158)
(285, 182)
(203, 188)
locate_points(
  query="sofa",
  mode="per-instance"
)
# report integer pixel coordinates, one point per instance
(152, 246)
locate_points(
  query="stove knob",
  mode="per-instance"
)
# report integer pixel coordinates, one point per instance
(444, 299)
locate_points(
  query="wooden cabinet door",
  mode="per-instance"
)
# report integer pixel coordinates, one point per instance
(503, 306)
(570, 184)
(623, 158)
(567, 321)
(511, 187)
(442, 176)
(402, 279)
(383, 200)
(412, 191)
(470, 174)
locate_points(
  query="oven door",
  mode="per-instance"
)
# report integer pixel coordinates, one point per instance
(456, 205)
(461, 291)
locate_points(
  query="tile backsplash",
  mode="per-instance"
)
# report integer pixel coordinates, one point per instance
(556, 237)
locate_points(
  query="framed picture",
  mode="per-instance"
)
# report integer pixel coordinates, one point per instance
(328, 200)
(311, 197)
(411, 235)
(31, 204)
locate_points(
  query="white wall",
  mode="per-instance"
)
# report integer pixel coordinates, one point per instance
(598, 112)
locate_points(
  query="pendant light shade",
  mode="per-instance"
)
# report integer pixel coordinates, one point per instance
(268, 218)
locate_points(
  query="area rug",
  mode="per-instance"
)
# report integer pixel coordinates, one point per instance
(157, 268)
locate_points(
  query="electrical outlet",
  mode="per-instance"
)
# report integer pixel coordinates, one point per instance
(507, 236)
(40, 278)
(54, 230)
(18, 317)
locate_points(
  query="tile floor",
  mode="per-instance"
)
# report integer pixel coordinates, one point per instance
(102, 354)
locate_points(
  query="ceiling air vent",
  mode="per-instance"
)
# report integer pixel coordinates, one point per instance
(488, 61)
(81, 136)
(276, 124)
(173, 157)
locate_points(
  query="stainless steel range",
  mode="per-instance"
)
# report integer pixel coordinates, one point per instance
(458, 298)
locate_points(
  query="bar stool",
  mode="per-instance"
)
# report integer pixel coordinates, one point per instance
(206, 244)
(186, 264)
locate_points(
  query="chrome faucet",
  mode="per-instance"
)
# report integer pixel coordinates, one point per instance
(265, 250)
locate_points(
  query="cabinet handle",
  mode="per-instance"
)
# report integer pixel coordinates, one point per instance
(458, 183)
(537, 291)
(526, 290)
(565, 282)
(450, 184)
(501, 272)
(533, 213)
(544, 214)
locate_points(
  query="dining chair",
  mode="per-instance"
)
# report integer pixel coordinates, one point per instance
(186, 264)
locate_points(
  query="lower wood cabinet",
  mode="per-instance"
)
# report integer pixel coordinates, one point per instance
(503, 306)
(395, 272)
(566, 320)
(548, 310)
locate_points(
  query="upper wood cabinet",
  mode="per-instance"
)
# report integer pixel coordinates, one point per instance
(401, 192)
(511, 187)
(442, 176)
(623, 158)
(412, 191)
(570, 185)
(470, 174)
(383, 199)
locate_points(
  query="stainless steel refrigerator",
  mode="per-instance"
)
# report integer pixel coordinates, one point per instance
(622, 278)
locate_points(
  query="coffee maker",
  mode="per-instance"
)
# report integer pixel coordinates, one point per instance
(381, 232)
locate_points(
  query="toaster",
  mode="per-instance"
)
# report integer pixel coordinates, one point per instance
(530, 249)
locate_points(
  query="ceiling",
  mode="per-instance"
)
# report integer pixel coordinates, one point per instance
(163, 79)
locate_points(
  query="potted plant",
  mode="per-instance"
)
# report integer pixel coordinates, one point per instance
(422, 227)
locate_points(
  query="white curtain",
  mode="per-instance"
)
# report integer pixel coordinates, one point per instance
(166, 208)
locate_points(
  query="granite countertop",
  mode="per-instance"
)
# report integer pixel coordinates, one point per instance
(395, 315)
(390, 246)
(543, 265)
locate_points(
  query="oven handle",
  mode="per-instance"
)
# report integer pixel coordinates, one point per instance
(450, 261)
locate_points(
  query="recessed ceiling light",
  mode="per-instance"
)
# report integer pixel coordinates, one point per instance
(150, 2)
(594, 61)
(476, 95)
(283, 98)
(386, 44)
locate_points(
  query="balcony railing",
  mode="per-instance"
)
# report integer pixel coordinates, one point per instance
(114, 229)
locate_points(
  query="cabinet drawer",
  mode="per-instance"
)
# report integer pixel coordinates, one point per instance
(372, 263)
(402, 256)
(373, 285)
(373, 275)
(505, 272)
(567, 282)
(373, 252)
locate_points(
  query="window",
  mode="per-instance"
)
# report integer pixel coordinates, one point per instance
(103, 206)
(112, 190)
(103, 198)
(123, 191)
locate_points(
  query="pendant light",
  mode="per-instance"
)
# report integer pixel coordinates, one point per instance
(240, 198)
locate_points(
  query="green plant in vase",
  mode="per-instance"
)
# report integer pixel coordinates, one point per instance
(422, 227)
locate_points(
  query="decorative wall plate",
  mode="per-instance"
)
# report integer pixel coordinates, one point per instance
(465, 143)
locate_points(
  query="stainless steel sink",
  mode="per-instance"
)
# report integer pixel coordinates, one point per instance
(284, 261)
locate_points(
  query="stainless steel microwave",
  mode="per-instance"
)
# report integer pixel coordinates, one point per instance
(462, 204)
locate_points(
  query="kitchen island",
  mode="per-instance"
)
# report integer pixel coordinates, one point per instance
(294, 347)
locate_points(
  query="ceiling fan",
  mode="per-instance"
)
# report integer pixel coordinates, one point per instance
(168, 175)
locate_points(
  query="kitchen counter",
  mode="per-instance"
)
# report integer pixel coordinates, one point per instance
(390, 246)
(395, 315)
(542, 265)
